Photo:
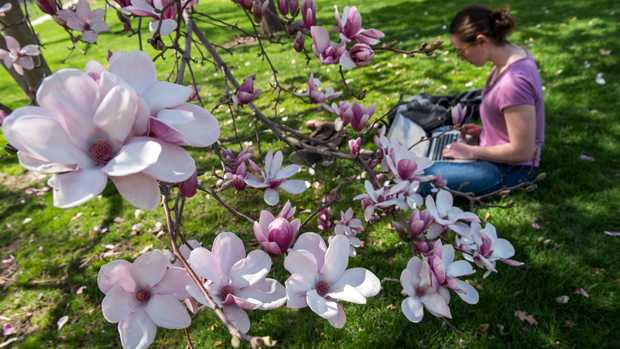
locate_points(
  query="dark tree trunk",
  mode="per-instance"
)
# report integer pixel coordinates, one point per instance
(14, 24)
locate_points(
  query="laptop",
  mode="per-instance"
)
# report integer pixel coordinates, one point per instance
(408, 133)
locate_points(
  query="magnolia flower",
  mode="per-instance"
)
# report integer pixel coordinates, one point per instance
(447, 215)
(168, 116)
(350, 27)
(288, 7)
(16, 57)
(404, 164)
(83, 134)
(163, 12)
(355, 146)
(320, 96)
(327, 51)
(406, 194)
(5, 8)
(48, 6)
(308, 13)
(235, 167)
(143, 295)
(298, 44)
(189, 187)
(421, 286)
(458, 113)
(89, 23)
(235, 282)
(447, 271)
(483, 247)
(358, 56)
(275, 176)
(375, 198)
(276, 234)
(245, 93)
(420, 230)
(324, 219)
(319, 278)
(350, 226)
(246, 4)
(355, 114)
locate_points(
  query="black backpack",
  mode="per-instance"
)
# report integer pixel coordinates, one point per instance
(431, 112)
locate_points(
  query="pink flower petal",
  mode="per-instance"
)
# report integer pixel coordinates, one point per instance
(294, 186)
(340, 319)
(136, 68)
(138, 331)
(149, 269)
(229, 249)
(198, 127)
(166, 95)
(437, 305)
(206, 265)
(174, 165)
(271, 196)
(301, 262)
(413, 309)
(296, 287)
(118, 304)
(268, 294)
(251, 269)
(140, 190)
(117, 272)
(116, 114)
(167, 312)
(238, 317)
(314, 244)
(336, 259)
(74, 188)
(134, 157)
(362, 280)
(320, 306)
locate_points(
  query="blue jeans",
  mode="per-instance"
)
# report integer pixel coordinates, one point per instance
(478, 177)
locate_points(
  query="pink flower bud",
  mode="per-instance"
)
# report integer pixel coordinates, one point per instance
(281, 232)
(355, 145)
(360, 116)
(308, 13)
(419, 221)
(361, 54)
(406, 169)
(48, 6)
(246, 93)
(246, 4)
(190, 186)
(324, 219)
(298, 45)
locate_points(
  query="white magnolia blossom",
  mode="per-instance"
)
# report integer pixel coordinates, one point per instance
(275, 176)
(447, 215)
(320, 278)
(423, 291)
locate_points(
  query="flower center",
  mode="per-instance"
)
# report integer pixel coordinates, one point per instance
(101, 152)
(419, 291)
(225, 291)
(143, 296)
(322, 288)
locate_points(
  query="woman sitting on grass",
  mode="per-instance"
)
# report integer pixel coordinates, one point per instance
(507, 147)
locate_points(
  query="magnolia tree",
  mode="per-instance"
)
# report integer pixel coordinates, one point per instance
(115, 120)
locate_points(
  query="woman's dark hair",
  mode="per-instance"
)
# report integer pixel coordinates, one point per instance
(476, 19)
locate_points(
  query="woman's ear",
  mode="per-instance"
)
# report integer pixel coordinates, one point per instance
(481, 39)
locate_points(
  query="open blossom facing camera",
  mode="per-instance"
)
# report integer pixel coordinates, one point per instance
(17, 57)
(142, 296)
(277, 234)
(236, 282)
(447, 215)
(350, 27)
(327, 51)
(90, 23)
(320, 278)
(274, 177)
(423, 291)
(163, 13)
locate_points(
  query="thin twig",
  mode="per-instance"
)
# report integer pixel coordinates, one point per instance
(227, 206)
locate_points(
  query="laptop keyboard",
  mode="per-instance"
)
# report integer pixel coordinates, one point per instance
(438, 143)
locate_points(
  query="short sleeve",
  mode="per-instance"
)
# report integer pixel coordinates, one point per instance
(516, 91)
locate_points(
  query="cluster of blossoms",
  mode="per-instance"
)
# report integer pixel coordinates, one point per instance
(235, 168)
(79, 17)
(120, 124)
(17, 57)
(163, 13)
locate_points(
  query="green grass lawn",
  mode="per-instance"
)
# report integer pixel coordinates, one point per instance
(58, 252)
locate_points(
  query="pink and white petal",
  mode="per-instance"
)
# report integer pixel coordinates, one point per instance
(174, 165)
(250, 270)
(502, 248)
(116, 273)
(74, 188)
(116, 114)
(143, 117)
(228, 249)
(39, 132)
(362, 280)
(346, 62)
(26, 62)
(32, 163)
(413, 309)
(271, 247)
(340, 319)
(71, 95)
(89, 36)
(271, 197)
(238, 317)
(313, 243)
(336, 259)
(167, 312)
(166, 95)
(140, 190)
(195, 293)
(165, 132)
(301, 262)
(346, 293)
(287, 171)
(174, 283)
(297, 285)
(254, 182)
(134, 157)
(320, 306)
(136, 68)
(464, 290)
(268, 294)
(167, 27)
(138, 331)
(82, 9)
(444, 202)
(11, 43)
(265, 218)
(196, 124)
(320, 37)
(460, 268)
(206, 265)
(275, 165)
(436, 305)
(149, 269)
(294, 186)
(118, 304)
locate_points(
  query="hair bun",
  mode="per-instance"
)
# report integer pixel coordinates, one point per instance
(502, 22)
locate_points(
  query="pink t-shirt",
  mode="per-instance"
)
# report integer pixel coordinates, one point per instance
(518, 84)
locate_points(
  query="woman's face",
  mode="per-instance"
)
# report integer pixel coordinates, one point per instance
(473, 52)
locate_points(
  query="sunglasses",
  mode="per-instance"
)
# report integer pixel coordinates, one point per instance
(460, 51)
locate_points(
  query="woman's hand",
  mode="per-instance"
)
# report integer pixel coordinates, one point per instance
(470, 133)
(459, 151)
